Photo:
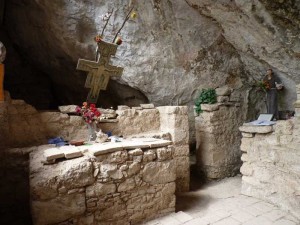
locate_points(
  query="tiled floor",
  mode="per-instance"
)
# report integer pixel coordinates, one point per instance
(220, 203)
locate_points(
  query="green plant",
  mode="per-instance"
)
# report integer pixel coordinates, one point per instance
(206, 96)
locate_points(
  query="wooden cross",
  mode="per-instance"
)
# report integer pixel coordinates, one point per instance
(99, 71)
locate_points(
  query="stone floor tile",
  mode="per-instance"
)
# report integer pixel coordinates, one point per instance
(259, 221)
(212, 218)
(275, 214)
(182, 217)
(167, 220)
(197, 221)
(246, 200)
(222, 213)
(253, 211)
(291, 218)
(227, 221)
(284, 222)
(242, 216)
(263, 206)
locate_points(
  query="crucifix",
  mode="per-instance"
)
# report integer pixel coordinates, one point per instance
(99, 71)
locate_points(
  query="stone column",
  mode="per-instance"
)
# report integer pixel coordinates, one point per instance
(174, 119)
(217, 136)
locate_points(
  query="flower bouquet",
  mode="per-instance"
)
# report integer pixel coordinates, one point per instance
(91, 116)
(88, 112)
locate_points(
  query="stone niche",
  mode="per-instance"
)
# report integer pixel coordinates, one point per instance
(26, 130)
(271, 159)
(218, 137)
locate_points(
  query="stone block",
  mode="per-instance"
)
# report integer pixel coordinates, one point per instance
(247, 135)
(71, 152)
(100, 189)
(123, 107)
(53, 154)
(159, 172)
(181, 150)
(222, 99)
(223, 91)
(247, 128)
(67, 108)
(164, 153)
(284, 127)
(209, 107)
(147, 106)
(59, 209)
(179, 110)
(127, 185)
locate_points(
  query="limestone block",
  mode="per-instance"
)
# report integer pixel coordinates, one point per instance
(123, 107)
(127, 185)
(181, 150)
(135, 152)
(77, 121)
(134, 168)
(149, 156)
(71, 152)
(164, 153)
(247, 135)
(100, 189)
(246, 169)
(179, 110)
(284, 127)
(246, 128)
(147, 106)
(51, 117)
(223, 91)
(222, 99)
(53, 153)
(117, 157)
(67, 108)
(245, 157)
(246, 144)
(59, 209)
(159, 172)
(209, 107)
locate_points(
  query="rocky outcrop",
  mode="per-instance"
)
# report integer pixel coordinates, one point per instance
(169, 52)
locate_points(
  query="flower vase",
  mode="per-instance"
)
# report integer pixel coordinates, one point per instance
(91, 132)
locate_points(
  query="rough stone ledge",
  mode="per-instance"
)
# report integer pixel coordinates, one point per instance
(69, 152)
(248, 128)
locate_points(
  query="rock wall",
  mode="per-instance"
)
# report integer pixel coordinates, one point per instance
(271, 163)
(20, 124)
(123, 187)
(217, 136)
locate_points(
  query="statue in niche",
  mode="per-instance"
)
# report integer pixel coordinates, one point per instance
(2, 58)
(272, 85)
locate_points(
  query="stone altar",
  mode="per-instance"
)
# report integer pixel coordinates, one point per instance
(112, 183)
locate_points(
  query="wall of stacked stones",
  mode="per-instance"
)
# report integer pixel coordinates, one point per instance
(271, 159)
(218, 137)
(123, 187)
(22, 125)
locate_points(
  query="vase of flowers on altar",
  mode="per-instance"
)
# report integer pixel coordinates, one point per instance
(91, 116)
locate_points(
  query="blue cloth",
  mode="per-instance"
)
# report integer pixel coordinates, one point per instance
(58, 141)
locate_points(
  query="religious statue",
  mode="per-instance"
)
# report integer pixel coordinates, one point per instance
(272, 85)
(2, 58)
